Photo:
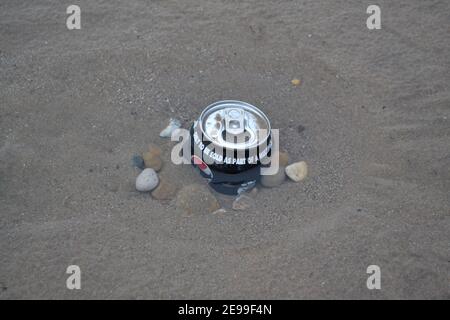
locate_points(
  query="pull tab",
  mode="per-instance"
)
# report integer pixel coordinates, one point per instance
(234, 121)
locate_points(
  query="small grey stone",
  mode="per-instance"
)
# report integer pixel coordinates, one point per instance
(275, 180)
(138, 162)
(147, 180)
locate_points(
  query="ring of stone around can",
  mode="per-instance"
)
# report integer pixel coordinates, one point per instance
(233, 127)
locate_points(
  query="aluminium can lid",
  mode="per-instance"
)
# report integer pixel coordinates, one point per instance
(233, 124)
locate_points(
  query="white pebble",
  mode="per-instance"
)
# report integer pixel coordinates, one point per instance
(297, 171)
(173, 125)
(147, 180)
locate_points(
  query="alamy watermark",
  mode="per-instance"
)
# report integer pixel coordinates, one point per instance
(73, 21)
(374, 280)
(74, 280)
(207, 153)
(374, 20)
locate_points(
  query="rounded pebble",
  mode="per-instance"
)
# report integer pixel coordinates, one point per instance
(152, 158)
(243, 202)
(283, 158)
(196, 199)
(271, 181)
(164, 191)
(297, 171)
(147, 180)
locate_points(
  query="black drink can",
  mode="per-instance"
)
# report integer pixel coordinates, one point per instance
(230, 141)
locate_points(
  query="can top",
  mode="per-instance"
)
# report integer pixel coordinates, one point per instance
(234, 124)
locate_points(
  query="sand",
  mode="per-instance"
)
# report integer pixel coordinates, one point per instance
(77, 105)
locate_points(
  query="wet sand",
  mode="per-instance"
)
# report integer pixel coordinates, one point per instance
(77, 105)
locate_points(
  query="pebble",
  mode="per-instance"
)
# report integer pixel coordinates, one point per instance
(196, 199)
(154, 149)
(220, 211)
(138, 162)
(243, 202)
(253, 193)
(164, 191)
(297, 171)
(271, 181)
(295, 82)
(283, 158)
(152, 158)
(147, 180)
(173, 125)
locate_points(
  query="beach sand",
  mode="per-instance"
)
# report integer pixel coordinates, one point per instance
(76, 105)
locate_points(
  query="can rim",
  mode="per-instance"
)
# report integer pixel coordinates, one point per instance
(237, 103)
